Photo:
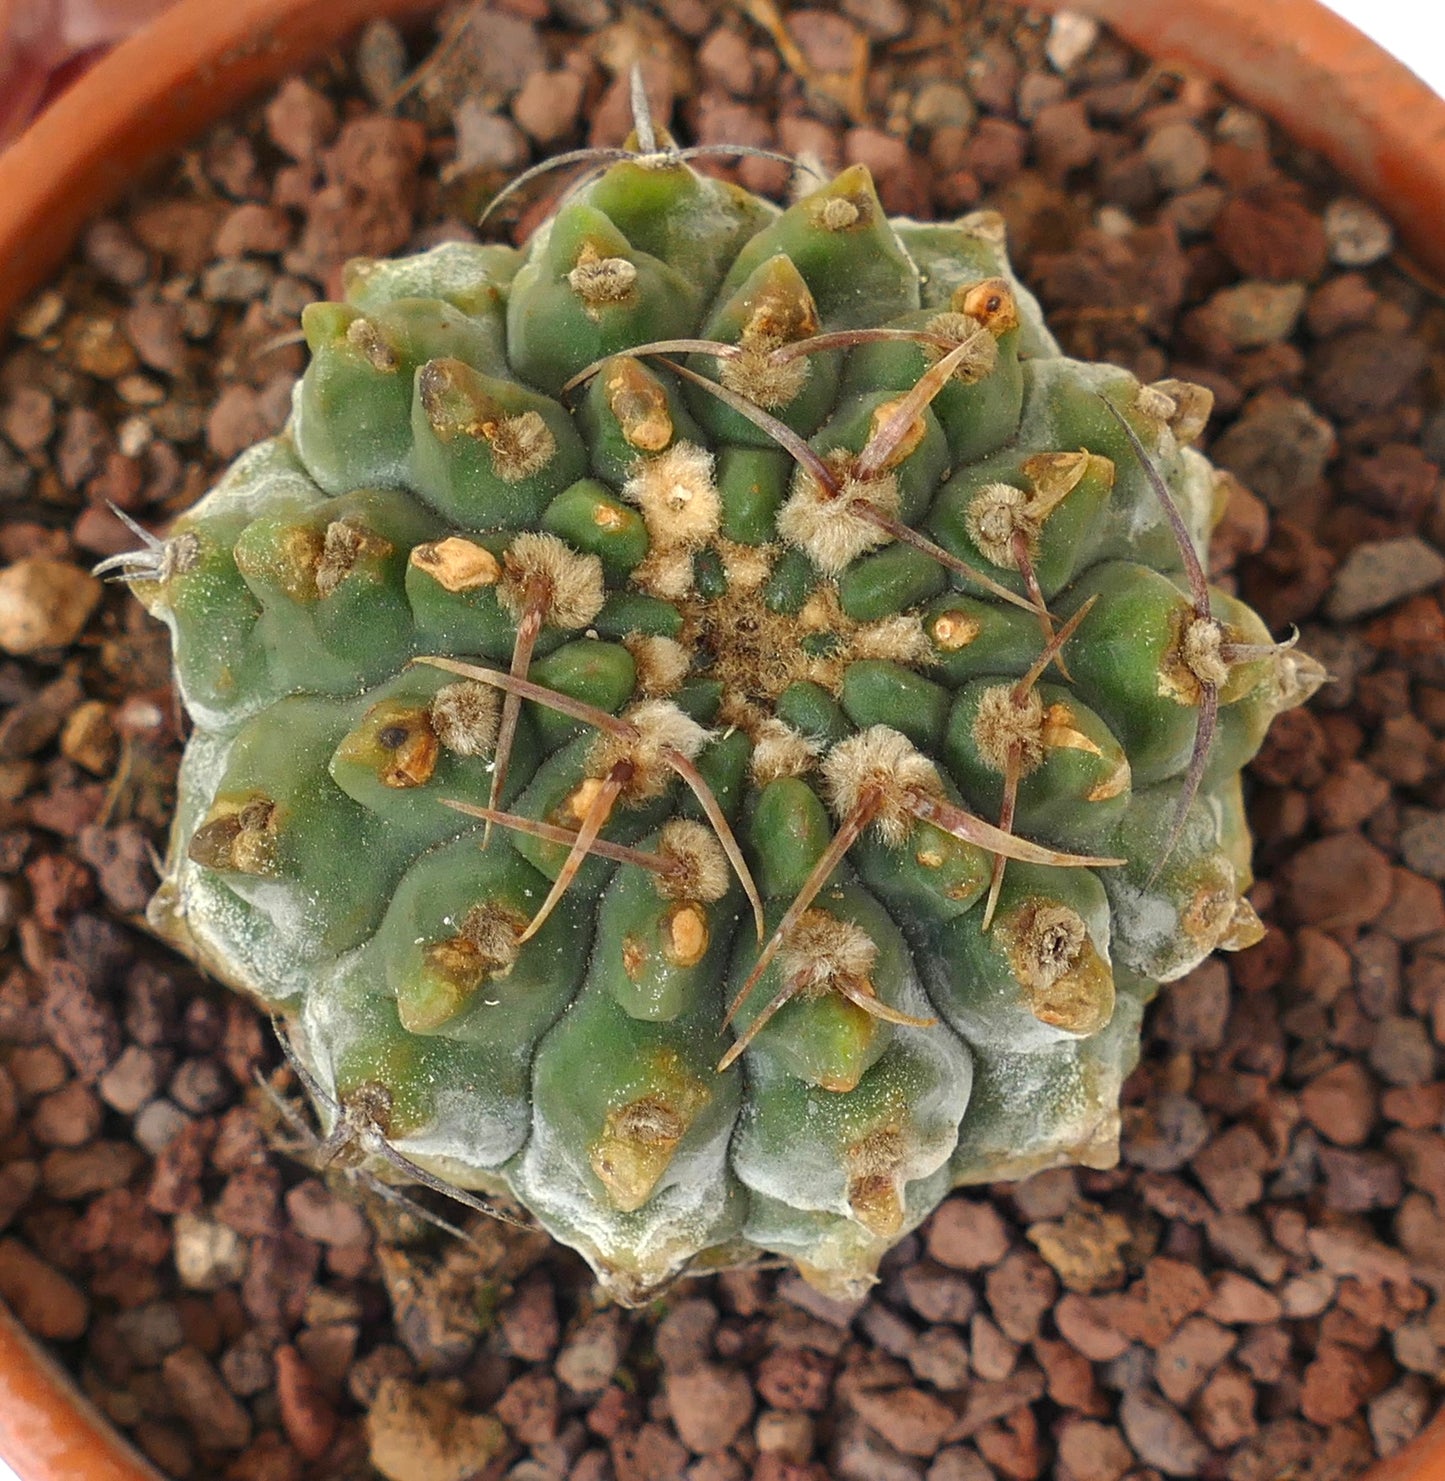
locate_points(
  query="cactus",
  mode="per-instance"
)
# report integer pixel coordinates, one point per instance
(710, 725)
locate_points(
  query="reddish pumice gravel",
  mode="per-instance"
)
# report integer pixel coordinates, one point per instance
(1258, 1290)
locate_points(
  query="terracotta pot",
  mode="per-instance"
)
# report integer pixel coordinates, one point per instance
(153, 93)
(48, 1432)
(1319, 78)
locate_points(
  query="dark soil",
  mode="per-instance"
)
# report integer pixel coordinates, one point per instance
(1257, 1291)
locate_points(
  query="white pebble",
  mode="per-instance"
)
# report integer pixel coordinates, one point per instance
(134, 436)
(1114, 222)
(208, 1255)
(1240, 126)
(1070, 38)
(1358, 235)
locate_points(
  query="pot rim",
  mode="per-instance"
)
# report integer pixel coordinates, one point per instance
(49, 1431)
(1319, 78)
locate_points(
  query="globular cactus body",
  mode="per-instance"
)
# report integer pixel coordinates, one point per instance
(711, 724)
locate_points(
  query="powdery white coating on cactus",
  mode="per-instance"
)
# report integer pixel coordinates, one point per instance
(691, 1208)
(939, 1069)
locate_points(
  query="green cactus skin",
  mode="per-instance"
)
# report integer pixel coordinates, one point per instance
(788, 613)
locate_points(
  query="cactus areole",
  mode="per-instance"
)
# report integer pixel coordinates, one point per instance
(710, 725)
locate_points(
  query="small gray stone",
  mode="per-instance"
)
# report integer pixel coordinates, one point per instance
(1161, 1435)
(1422, 841)
(1379, 573)
(1402, 1053)
(1132, 1369)
(132, 1080)
(941, 105)
(487, 142)
(151, 1331)
(940, 1357)
(16, 475)
(684, 1336)
(1253, 313)
(247, 1366)
(1278, 448)
(200, 1086)
(1178, 155)
(381, 61)
(591, 1354)
(157, 1124)
(236, 280)
(1398, 1414)
(1163, 1134)
(958, 1464)
(883, 20)
(886, 1329)
(860, 1454)
(837, 1313)
(215, 1416)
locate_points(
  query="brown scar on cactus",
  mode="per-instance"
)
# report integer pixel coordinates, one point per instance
(457, 405)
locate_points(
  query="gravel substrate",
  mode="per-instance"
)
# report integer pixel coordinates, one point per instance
(1258, 1291)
